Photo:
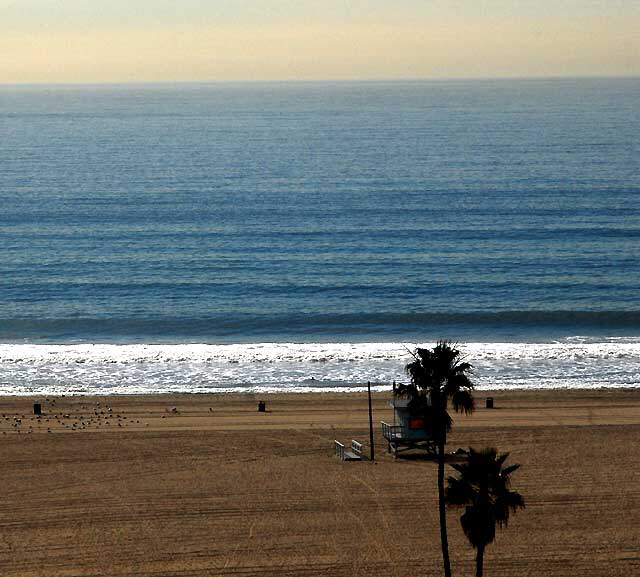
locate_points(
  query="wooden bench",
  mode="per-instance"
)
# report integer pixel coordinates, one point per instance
(355, 454)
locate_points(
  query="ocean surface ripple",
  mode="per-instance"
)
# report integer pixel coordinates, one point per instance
(137, 221)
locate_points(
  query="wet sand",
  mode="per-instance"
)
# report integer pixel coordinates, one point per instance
(196, 485)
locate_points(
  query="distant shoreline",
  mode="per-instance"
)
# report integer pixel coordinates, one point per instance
(377, 390)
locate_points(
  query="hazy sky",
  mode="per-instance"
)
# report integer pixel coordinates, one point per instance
(212, 40)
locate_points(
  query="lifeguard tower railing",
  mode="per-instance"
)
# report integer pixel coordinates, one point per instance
(392, 432)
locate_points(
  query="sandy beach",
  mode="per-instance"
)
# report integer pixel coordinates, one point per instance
(196, 485)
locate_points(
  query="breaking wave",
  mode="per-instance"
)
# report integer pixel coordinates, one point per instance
(575, 362)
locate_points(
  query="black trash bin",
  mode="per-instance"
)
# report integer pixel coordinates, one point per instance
(37, 409)
(262, 407)
(489, 402)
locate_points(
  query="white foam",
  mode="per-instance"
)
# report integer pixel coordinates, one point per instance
(263, 367)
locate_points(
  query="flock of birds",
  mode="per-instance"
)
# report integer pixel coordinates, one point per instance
(53, 420)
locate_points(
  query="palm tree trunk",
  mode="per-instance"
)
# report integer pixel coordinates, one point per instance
(479, 561)
(444, 541)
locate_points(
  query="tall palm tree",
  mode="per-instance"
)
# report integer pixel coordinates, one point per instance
(441, 376)
(482, 487)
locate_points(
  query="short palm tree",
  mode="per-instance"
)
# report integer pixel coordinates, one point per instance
(439, 375)
(482, 487)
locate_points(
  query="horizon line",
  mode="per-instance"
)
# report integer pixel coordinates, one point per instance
(330, 80)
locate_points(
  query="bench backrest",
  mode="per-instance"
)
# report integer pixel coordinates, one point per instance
(356, 447)
(339, 448)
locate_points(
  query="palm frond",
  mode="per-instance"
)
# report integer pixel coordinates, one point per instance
(478, 526)
(463, 402)
(500, 459)
(457, 492)
(510, 469)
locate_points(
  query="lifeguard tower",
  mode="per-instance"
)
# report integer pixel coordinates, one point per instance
(407, 431)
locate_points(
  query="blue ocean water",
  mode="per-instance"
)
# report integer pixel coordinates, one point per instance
(315, 230)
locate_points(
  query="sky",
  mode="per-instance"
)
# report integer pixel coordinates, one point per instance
(87, 41)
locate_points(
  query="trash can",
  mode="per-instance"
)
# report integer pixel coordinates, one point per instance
(489, 402)
(37, 409)
(262, 407)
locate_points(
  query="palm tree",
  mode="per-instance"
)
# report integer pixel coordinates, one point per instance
(482, 487)
(440, 375)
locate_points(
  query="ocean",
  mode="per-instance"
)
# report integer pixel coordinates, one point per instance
(306, 236)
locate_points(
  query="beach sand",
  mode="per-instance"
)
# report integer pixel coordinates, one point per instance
(132, 487)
